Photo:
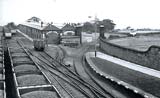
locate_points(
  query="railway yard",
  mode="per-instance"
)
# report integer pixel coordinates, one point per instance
(62, 72)
(79, 49)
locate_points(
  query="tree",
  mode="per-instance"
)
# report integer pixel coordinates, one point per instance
(108, 24)
(11, 26)
(88, 27)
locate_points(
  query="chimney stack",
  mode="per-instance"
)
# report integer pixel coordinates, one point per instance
(41, 24)
(102, 30)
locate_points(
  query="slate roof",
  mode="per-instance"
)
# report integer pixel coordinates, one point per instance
(51, 27)
(48, 27)
(68, 27)
(34, 25)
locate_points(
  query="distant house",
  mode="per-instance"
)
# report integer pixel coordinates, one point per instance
(68, 29)
(51, 27)
(69, 37)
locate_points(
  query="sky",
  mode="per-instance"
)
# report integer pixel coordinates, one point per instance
(134, 13)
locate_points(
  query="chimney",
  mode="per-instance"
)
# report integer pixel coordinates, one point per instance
(102, 30)
(78, 32)
(41, 24)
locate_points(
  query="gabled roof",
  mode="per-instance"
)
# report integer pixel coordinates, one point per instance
(51, 27)
(34, 25)
(35, 19)
(47, 27)
(68, 27)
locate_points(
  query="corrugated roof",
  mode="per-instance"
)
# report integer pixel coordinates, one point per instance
(68, 27)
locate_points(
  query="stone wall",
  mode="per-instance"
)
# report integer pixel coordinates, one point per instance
(149, 58)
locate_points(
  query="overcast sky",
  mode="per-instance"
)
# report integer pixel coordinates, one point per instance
(134, 13)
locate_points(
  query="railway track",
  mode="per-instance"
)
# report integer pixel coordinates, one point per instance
(77, 82)
(67, 83)
(63, 83)
(118, 90)
(2, 71)
(75, 79)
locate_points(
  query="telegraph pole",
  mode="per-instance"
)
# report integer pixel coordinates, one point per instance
(95, 34)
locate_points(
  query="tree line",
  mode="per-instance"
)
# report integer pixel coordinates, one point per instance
(91, 27)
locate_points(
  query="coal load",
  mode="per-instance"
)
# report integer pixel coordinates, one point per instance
(40, 94)
(25, 67)
(31, 79)
(1, 53)
(1, 65)
(18, 54)
(1, 77)
(1, 93)
(21, 60)
(1, 74)
(16, 50)
(1, 58)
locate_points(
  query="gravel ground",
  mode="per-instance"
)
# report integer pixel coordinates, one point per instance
(145, 82)
(27, 42)
(73, 56)
(52, 50)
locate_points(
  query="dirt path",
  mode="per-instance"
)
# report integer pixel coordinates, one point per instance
(73, 56)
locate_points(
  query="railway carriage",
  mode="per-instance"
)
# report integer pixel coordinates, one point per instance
(7, 33)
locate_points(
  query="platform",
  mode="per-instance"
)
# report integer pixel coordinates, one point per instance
(125, 73)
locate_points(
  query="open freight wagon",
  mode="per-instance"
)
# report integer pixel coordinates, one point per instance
(29, 80)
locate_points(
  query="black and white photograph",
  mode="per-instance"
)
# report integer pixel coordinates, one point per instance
(79, 49)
